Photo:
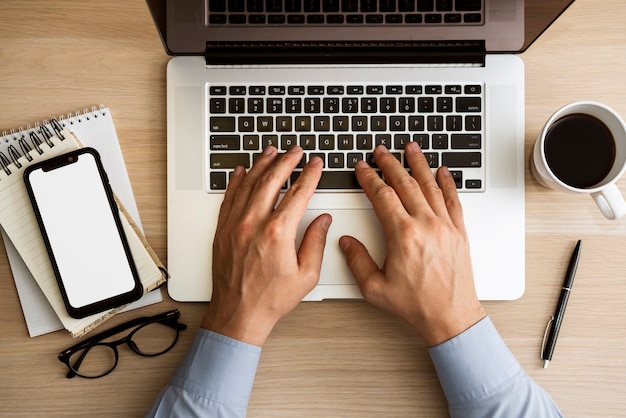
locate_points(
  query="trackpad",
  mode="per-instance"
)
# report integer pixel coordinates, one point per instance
(359, 223)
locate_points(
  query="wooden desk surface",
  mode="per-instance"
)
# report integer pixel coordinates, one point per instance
(330, 358)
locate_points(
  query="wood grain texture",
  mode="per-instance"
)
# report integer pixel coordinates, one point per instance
(332, 358)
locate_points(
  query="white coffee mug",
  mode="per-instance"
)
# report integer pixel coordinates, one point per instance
(572, 153)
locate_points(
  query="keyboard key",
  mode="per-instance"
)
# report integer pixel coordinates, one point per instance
(257, 90)
(245, 124)
(217, 105)
(287, 142)
(251, 142)
(468, 5)
(335, 160)
(334, 19)
(269, 140)
(334, 90)
(369, 105)
(374, 89)
(327, 142)
(225, 142)
(345, 142)
(473, 184)
(303, 123)
(457, 176)
(440, 141)
(473, 89)
(355, 89)
(334, 180)
(433, 18)
(296, 90)
(444, 5)
(426, 104)
(217, 180)
(425, 5)
(400, 141)
(229, 160)
(354, 158)
(331, 5)
(340, 123)
(222, 124)
(274, 6)
(321, 123)
(315, 90)
(461, 159)
(466, 141)
(432, 158)
(311, 5)
(217, 90)
(255, 105)
(468, 104)
(473, 123)
(307, 142)
(293, 6)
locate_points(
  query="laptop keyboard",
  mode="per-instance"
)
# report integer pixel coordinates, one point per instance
(349, 12)
(342, 124)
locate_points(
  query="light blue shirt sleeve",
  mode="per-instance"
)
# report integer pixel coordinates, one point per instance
(481, 378)
(214, 379)
(479, 375)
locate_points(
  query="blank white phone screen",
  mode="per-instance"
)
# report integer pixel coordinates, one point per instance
(82, 232)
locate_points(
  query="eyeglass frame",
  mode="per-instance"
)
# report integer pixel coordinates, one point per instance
(169, 318)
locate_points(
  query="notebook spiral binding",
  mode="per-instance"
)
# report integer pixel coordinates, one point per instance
(19, 143)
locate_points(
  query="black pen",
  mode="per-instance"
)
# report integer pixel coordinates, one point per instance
(554, 325)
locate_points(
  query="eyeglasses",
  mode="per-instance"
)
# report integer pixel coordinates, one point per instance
(152, 336)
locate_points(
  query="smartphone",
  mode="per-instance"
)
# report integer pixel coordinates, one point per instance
(80, 224)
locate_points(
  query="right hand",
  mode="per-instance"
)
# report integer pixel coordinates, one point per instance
(426, 278)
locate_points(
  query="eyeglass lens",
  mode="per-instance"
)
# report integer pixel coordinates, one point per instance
(100, 359)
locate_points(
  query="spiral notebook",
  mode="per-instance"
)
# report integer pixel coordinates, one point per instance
(29, 260)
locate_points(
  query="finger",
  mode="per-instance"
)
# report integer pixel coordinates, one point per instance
(267, 186)
(311, 250)
(451, 198)
(229, 196)
(291, 208)
(421, 171)
(245, 188)
(364, 269)
(400, 180)
(385, 201)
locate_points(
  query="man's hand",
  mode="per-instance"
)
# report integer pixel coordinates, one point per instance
(427, 275)
(258, 274)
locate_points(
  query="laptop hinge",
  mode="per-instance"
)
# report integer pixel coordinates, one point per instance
(409, 52)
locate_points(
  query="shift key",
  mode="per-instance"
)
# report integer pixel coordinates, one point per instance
(229, 160)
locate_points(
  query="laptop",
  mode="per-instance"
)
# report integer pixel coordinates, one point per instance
(339, 77)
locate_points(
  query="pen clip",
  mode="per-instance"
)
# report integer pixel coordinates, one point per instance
(545, 335)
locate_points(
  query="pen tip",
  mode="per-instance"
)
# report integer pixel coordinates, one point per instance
(545, 364)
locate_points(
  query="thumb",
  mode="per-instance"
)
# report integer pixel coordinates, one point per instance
(364, 269)
(312, 247)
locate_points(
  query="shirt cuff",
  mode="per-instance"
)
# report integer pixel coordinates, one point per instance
(475, 364)
(219, 369)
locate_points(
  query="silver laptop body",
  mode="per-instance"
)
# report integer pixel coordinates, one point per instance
(215, 56)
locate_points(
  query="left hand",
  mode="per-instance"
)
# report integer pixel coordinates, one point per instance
(258, 274)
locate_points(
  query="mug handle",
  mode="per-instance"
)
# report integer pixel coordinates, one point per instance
(610, 201)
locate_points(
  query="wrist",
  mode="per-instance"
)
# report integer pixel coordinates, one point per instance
(246, 327)
(448, 326)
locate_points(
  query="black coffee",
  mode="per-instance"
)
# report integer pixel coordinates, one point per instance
(580, 150)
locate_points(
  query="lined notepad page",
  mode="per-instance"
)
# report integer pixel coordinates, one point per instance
(95, 129)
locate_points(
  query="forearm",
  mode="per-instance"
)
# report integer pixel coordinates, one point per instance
(214, 379)
(481, 377)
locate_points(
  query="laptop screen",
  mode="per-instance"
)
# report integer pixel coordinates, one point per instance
(189, 28)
